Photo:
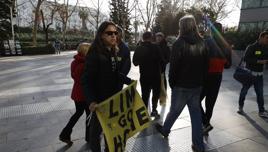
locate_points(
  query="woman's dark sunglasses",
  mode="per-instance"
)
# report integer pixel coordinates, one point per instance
(110, 33)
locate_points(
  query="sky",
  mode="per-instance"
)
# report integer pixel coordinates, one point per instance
(231, 20)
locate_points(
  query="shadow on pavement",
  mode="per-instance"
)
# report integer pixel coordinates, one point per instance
(64, 148)
(257, 126)
(85, 147)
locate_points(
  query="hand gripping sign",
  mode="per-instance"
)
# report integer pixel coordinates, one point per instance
(122, 116)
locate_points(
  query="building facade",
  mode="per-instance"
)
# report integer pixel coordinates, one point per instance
(25, 15)
(254, 15)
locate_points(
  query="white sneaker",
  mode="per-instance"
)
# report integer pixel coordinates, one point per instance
(263, 114)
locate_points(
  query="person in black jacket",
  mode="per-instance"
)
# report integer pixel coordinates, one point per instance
(149, 59)
(188, 68)
(255, 57)
(101, 76)
(162, 43)
(123, 55)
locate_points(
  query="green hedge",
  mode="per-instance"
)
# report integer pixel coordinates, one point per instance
(241, 39)
(70, 37)
(48, 49)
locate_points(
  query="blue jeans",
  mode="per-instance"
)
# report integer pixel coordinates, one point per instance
(258, 87)
(179, 98)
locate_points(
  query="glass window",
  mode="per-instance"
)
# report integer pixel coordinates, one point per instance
(243, 26)
(248, 26)
(251, 3)
(264, 3)
(260, 25)
(253, 26)
(265, 25)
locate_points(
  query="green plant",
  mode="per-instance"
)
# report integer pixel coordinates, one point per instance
(241, 39)
(34, 50)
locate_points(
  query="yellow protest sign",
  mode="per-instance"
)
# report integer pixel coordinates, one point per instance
(121, 116)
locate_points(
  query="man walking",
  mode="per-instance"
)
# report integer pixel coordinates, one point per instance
(123, 56)
(255, 57)
(148, 57)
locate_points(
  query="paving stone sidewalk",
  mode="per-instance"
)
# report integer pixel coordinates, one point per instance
(35, 105)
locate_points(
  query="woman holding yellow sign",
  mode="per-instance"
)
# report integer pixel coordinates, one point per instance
(101, 77)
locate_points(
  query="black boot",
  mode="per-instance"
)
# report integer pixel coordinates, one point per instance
(65, 136)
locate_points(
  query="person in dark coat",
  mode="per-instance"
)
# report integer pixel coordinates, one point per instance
(165, 51)
(123, 55)
(149, 59)
(77, 68)
(188, 68)
(255, 58)
(101, 76)
(220, 58)
(57, 46)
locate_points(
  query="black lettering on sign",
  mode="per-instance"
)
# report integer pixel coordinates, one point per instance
(122, 121)
(112, 113)
(121, 102)
(118, 145)
(126, 132)
(130, 94)
(141, 115)
(130, 119)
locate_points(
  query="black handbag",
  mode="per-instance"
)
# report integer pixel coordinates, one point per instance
(242, 75)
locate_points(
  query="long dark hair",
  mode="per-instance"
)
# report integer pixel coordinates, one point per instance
(98, 44)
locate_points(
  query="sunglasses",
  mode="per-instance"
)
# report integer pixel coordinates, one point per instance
(110, 33)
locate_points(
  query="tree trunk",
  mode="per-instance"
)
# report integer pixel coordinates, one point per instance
(84, 25)
(46, 31)
(64, 34)
(36, 18)
(45, 28)
(35, 28)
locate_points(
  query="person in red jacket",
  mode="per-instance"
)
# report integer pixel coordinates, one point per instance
(77, 68)
(219, 59)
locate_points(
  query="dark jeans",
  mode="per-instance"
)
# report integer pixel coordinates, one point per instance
(146, 87)
(95, 130)
(258, 87)
(210, 91)
(67, 130)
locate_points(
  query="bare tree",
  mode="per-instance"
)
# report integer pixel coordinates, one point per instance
(216, 7)
(148, 13)
(179, 5)
(238, 3)
(65, 10)
(48, 17)
(24, 16)
(95, 13)
(96, 17)
(36, 7)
